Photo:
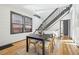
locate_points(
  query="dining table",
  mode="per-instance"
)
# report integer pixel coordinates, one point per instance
(38, 38)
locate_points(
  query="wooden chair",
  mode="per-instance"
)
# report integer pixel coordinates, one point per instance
(34, 42)
(49, 46)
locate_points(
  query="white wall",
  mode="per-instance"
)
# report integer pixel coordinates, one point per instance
(5, 36)
(53, 29)
(75, 24)
(36, 22)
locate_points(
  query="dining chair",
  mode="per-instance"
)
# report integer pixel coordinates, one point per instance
(33, 42)
(49, 45)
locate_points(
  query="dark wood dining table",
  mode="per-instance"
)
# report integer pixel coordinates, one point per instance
(36, 37)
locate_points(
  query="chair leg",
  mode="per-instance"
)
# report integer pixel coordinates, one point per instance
(38, 49)
(52, 45)
(49, 50)
(29, 42)
(35, 48)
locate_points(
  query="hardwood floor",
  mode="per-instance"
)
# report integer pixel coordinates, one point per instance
(62, 47)
(12, 50)
(69, 48)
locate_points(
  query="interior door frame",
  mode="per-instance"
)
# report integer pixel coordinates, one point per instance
(68, 27)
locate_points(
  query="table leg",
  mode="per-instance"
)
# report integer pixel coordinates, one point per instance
(27, 47)
(43, 51)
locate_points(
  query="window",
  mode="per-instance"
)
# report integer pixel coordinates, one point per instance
(20, 23)
(28, 24)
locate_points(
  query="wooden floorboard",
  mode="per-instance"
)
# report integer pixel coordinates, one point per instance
(61, 48)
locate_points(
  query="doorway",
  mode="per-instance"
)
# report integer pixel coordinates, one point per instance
(65, 28)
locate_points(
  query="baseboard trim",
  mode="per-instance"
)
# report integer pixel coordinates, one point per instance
(5, 46)
(9, 45)
(18, 41)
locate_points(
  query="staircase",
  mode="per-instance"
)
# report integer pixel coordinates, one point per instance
(54, 16)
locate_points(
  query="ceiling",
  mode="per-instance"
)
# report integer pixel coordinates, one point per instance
(43, 10)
